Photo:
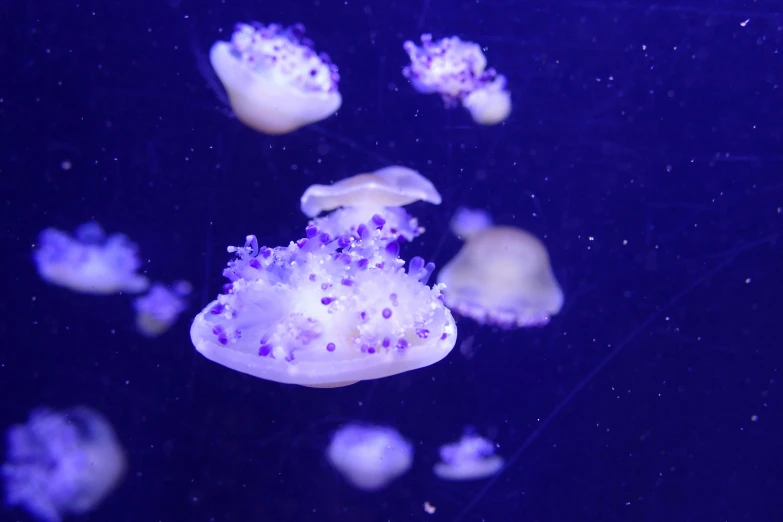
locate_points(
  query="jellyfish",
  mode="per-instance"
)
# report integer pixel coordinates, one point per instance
(360, 197)
(501, 276)
(160, 307)
(61, 462)
(275, 81)
(472, 458)
(369, 457)
(326, 311)
(457, 70)
(89, 262)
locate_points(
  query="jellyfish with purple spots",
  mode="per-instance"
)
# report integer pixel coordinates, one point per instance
(471, 458)
(89, 262)
(457, 70)
(160, 307)
(375, 199)
(501, 276)
(275, 80)
(61, 463)
(314, 313)
(369, 457)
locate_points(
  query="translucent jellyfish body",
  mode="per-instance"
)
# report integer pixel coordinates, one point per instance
(160, 307)
(472, 458)
(369, 457)
(326, 312)
(501, 276)
(362, 196)
(89, 262)
(274, 79)
(457, 71)
(61, 462)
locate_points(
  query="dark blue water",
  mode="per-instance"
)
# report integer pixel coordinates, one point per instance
(645, 147)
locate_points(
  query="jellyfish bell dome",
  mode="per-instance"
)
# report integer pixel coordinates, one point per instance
(275, 81)
(471, 458)
(489, 105)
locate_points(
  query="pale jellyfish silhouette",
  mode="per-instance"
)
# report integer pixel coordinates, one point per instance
(61, 462)
(275, 81)
(325, 311)
(160, 307)
(360, 197)
(369, 457)
(457, 70)
(471, 458)
(501, 276)
(89, 262)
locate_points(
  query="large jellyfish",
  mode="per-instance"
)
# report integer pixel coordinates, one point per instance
(472, 458)
(275, 81)
(61, 462)
(363, 196)
(457, 71)
(501, 276)
(326, 312)
(160, 307)
(90, 262)
(369, 457)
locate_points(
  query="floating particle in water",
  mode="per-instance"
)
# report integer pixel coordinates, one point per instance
(501, 276)
(89, 262)
(160, 307)
(61, 462)
(472, 458)
(275, 81)
(368, 456)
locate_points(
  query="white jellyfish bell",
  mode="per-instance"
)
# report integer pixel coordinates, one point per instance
(275, 81)
(471, 458)
(369, 457)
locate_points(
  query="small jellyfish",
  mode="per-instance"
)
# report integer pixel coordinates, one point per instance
(501, 276)
(275, 81)
(160, 307)
(89, 262)
(472, 458)
(457, 71)
(369, 457)
(61, 462)
(326, 311)
(364, 196)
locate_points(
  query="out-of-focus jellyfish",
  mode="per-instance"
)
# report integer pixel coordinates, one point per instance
(369, 457)
(89, 262)
(160, 307)
(363, 196)
(326, 312)
(275, 81)
(457, 70)
(501, 276)
(472, 458)
(61, 462)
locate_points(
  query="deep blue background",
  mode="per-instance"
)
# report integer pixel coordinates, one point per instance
(645, 146)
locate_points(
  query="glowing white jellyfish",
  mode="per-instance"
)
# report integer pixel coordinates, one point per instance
(61, 462)
(363, 196)
(501, 276)
(325, 311)
(160, 307)
(457, 70)
(89, 262)
(369, 457)
(472, 458)
(275, 81)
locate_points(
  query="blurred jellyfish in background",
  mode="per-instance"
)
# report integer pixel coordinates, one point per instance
(472, 458)
(457, 71)
(326, 311)
(360, 197)
(89, 262)
(275, 81)
(160, 307)
(368, 456)
(61, 462)
(501, 276)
